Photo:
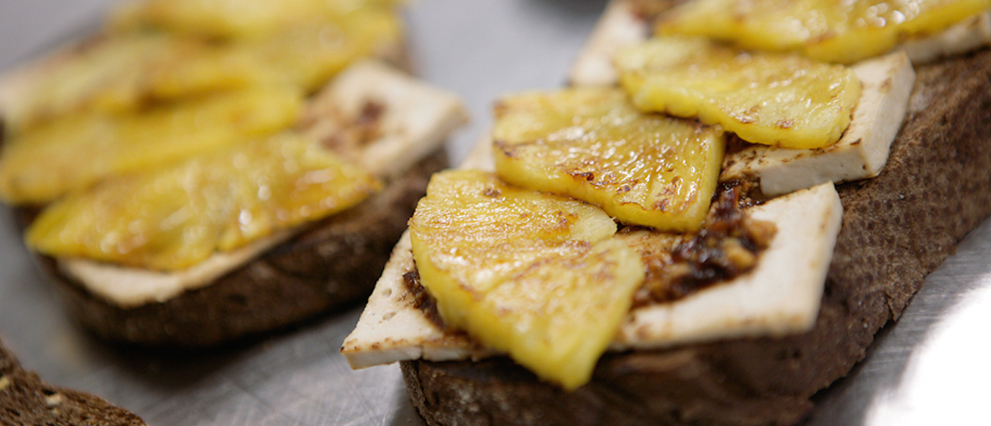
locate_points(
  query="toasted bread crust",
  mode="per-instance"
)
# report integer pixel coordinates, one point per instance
(26, 400)
(897, 228)
(331, 265)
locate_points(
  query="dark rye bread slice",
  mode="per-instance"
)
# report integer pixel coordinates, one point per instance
(331, 265)
(897, 228)
(26, 400)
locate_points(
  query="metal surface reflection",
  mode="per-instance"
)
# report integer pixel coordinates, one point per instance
(931, 365)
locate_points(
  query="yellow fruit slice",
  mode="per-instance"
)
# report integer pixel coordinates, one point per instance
(768, 98)
(592, 144)
(827, 30)
(76, 151)
(306, 55)
(535, 275)
(240, 19)
(179, 216)
(122, 73)
(109, 75)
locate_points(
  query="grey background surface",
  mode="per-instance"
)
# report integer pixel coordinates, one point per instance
(930, 367)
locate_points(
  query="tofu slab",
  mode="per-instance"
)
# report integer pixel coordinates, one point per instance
(415, 120)
(780, 296)
(792, 270)
(860, 153)
(392, 328)
(129, 287)
(416, 117)
(968, 35)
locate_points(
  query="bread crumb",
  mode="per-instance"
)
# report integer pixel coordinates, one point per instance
(53, 399)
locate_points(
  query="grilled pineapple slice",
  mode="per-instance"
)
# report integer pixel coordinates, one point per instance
(306, 55)
(768, 98)
(108, 75)
(179, 216)
(591, 144)
(233, 19)
(827, 30)
(535, 275)
(121, 73)
(76, 151)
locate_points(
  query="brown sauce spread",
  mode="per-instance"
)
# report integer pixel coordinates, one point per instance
(728, 246)
(350, 134)
(422, 299)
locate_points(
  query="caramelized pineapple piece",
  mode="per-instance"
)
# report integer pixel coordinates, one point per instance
(307, 55)
(768, 98)
(76, 151)
(109, 75)
(591, 144)
(233, 19)
(122, 73)
(179, 216)
(827, 30)
(535, 275)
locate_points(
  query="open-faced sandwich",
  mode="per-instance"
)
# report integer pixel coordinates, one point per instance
(203, 170)
(707, 228)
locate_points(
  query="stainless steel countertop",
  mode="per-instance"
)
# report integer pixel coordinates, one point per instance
(929, 367)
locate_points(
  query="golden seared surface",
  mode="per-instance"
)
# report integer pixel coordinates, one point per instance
(532, 274)
(177, 217)
(828, 30)
(773, 99)
(592, 144)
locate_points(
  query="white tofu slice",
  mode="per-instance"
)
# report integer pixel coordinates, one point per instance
(416, 117)
(619, 27)
(415, 120)
(392, 328)
(129, 287)
(968, 35)
(860, 153)
(779, 297)
(788, 284)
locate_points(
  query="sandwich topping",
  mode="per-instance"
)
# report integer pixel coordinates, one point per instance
(535, 275)
(241, 19)
(135, 142)
(827, 30)
(189, 137)
(728, 245)
(592, 144)
(859, 154)
(367, 109)
(159, 87)
(131, 66)
(767, 98)
(178, 217)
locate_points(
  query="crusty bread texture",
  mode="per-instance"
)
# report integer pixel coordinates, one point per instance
(897, 228)
(26, 400)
